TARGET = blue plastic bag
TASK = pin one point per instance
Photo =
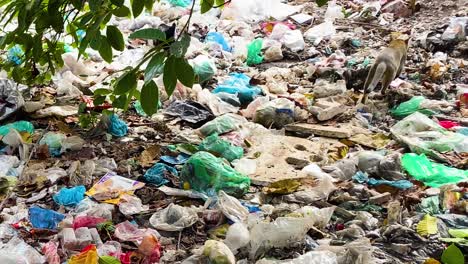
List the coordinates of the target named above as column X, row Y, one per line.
column 15, row 55
column 180, row 159
column 117, row 126
column 44, row 218
column 400, row 184
column 20, row 126
column 218, row 38
column 70, row 197
column 155, row 174
column 238, row 83
column 362, row 177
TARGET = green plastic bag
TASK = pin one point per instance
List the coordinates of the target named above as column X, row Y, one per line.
column 20, row 126
column 254, row 52
column 430, row 173
column 409, row 107
column 221, row 148
column 208, row 174
column 204, row 68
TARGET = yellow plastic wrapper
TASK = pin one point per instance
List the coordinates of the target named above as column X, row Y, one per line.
column 282, row 187
column 88, row 256
column 111, row 187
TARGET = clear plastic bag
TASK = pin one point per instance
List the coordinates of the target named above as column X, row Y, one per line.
column 281, row 233
column 16, row 251
column 232, row 208
column 276, row 113
column 174, row 218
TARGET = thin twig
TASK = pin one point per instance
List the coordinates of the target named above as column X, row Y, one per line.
column 180, row 236
column 188, row 21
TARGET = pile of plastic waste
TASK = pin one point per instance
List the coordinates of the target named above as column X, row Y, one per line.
column 269, row 158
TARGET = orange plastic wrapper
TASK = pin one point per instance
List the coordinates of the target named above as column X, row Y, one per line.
column 89, row 255
column 151, row 249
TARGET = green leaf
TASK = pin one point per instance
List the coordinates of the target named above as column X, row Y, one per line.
column 219, row 3
column 179, row 48
column 452, row 255
column 95, row 42
column 94, row 5
column 321, row 2
column 170, row 77
column 37, row 48
column 115, row 38
column 149, row 5
column 102, row 91
column 154, row 66
column 126, row 82
column 108, row 260
column 85, row 19
column 206, row 5
column 459, row 233
column 99, row 100
column 120, row 101
column 149, row 98
column 122, row 11
column 118, row 3
column 78, row 4
column 148, row 33
column 105, row 50
column 137, row 7
column 184, row 72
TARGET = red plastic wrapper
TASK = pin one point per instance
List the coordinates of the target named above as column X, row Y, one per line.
column 87, row 221
column 448, row 124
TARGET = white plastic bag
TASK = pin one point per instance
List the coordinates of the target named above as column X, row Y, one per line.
column 312, row 257
column 319, row 32
column 293, row 40
column 237, row 236
column 334, row 11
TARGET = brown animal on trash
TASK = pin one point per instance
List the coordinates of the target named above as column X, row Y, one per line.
column 388, row 65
